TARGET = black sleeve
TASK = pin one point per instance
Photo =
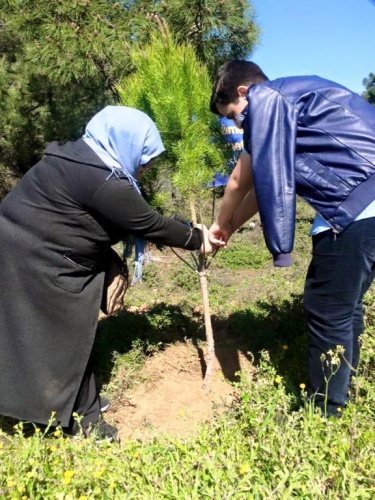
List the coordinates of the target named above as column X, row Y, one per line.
column 121, row 205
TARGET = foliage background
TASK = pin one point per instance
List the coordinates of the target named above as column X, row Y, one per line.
column 60, row 61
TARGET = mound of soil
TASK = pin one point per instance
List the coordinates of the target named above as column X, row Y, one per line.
column 172, row 400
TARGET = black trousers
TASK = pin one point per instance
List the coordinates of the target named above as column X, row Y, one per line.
column 341, row 271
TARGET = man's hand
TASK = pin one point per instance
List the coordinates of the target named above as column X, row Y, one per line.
column 206, row 246
column 219, row 234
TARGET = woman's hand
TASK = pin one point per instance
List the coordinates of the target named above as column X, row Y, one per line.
column 206, row 246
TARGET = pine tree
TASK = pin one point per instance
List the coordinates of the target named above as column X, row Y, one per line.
column 59, row 64
column 173, row 88
column 218, row 30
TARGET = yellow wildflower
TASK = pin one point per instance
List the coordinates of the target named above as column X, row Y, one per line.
column 98, row 472
column 244, row 468
column 278, row 379
column 68, row 476
column 10, row 483
column 57, row 433
column 302, row 386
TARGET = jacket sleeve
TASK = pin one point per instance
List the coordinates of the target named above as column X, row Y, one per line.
column 272, row 128
column 120, row 205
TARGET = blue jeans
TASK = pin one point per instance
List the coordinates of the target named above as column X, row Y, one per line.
column 341, row 271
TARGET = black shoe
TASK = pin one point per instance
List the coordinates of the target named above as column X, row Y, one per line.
column 104, row 404
column 103, row 431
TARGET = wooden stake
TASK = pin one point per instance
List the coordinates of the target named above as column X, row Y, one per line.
column 193, row 212
column 210, row 356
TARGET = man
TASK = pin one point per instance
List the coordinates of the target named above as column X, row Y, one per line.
column 314, row 138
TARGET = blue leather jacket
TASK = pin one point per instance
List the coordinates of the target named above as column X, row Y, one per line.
column 314, row 138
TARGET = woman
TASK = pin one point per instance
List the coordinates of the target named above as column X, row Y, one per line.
column 56, row 229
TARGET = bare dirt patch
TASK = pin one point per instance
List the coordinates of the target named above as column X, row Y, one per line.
column 172, row 400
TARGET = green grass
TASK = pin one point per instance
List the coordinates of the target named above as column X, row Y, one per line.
column 268, row 445
column 262, row 448
column 241, row 253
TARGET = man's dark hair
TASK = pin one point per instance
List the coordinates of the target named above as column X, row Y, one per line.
column 229, row 77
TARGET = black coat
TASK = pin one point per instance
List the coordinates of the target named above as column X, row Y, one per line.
column 56, row 228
